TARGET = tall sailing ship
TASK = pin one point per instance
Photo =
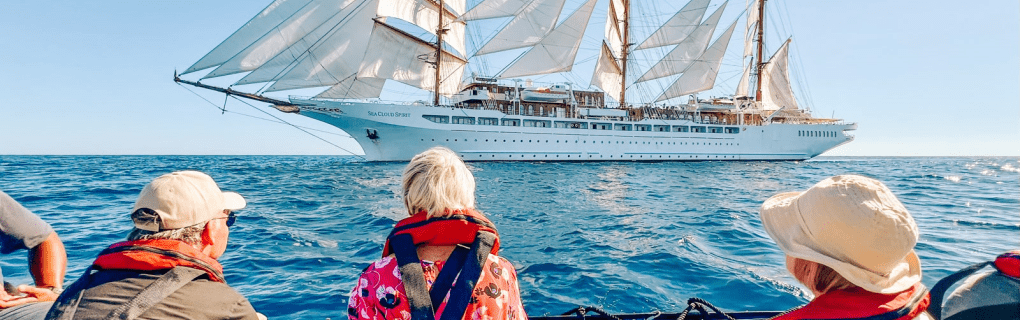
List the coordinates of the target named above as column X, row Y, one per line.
column 354, row 48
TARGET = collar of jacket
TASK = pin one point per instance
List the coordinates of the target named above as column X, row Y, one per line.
column 457, row 227
column 159, row 254
column 857, row 303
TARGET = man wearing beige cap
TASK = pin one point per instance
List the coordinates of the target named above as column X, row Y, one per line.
column 851, row 242
column 167, row 269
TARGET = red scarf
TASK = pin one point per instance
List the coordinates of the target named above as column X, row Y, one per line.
column 160, row 254
column 859, row 303
column 459, row 227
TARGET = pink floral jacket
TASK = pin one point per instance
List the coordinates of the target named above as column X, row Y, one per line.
column 379, row 294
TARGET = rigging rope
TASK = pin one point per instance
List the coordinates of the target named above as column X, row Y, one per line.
column 260, row 118
column 278, row 120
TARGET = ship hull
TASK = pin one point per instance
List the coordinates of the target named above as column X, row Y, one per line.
column 396, row 132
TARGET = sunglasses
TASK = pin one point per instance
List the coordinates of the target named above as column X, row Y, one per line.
column 231, row 218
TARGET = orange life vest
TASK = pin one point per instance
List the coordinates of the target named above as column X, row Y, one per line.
column 857, row 303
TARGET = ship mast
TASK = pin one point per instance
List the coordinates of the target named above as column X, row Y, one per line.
column 623, row 53
column 761, row 42
column 439, row 52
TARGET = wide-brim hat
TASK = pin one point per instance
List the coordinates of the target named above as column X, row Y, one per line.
column 182, row 199
column 852, row 224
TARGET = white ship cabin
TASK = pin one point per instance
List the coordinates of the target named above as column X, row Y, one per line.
column 591, row 105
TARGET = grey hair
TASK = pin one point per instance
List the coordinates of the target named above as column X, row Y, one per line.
column 435, row 181
column 191, row 235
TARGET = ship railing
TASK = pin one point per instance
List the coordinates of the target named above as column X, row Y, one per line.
column 648, row 111
column 396, row 102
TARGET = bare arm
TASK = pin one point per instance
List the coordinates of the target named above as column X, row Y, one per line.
column 48, row 262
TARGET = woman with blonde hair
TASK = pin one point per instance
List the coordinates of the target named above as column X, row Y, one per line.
column 440, row 262
column 851, row 242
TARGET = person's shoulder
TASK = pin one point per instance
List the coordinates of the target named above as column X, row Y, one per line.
column 384, row 263
column 212, row 289
column 500, row 260
column 211, row 295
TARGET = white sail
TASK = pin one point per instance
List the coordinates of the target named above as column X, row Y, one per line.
column 744, row 79
column 292, row 29
column 556, row 52
column 608, row 76
column 355, row 88
column 494, row 9
column 425, row 14
column 678, row 27
column 687, row 52
column 324, row 57
column 529, row 26
column 614, row 27
column 700, row 76
column 258, row 26
column 752, row 25
column 775, row 79
column 459, row 7
column 395, row 55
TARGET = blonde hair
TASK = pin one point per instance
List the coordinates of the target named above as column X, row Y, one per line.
column 437, row 181
column 818, row 277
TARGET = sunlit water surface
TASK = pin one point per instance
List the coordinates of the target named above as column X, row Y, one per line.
column 626, row 237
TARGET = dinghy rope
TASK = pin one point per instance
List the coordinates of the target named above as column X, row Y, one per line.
column 705, row 310
column 278, row 120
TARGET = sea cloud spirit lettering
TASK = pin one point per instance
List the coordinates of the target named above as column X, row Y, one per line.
column 389, row 114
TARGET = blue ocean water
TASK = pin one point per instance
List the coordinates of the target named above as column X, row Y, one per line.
column 626, row 237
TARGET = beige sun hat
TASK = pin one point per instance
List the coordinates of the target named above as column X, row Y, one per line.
column 852, row 224
column 182, row 199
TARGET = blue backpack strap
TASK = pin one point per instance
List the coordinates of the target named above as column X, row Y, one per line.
column 413, row 277
column 155, row 292
column 444, row 281
column 465, row 287
column 938, row 292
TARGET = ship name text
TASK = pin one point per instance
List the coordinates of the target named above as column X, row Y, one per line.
column 389, row 114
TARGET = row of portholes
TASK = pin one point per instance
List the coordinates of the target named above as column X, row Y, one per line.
column 823, row 134
column 652, row 157
column 609, row 142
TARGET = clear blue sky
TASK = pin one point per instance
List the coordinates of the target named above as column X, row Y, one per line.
column 927, row 78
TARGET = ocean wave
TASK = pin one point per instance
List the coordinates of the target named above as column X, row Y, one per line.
column 624, row 236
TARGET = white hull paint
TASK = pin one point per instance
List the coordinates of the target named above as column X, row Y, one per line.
column 401, row 132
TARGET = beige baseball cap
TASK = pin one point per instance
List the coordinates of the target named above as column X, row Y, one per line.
column 852, row 224
column 182, row 199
